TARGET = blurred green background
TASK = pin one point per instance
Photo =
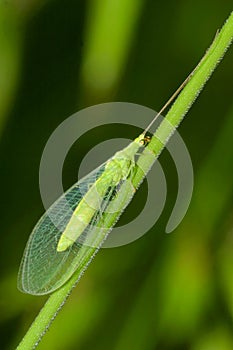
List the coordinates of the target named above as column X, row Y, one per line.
column 162, row 291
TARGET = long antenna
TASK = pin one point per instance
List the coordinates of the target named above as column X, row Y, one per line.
column 170, row 100
column 179, row 89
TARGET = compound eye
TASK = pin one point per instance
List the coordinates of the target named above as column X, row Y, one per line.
column 146, row 140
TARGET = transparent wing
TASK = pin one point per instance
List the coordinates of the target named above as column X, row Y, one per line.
column 43, row 269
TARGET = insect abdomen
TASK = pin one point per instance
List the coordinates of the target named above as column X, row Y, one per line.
column 89, row 205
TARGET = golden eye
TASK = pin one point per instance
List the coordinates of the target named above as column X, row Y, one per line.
column 145, row 140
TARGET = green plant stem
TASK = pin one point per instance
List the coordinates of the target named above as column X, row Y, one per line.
column 158, row 142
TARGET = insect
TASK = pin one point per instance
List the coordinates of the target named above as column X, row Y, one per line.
column 75, row 222
column 80, row 220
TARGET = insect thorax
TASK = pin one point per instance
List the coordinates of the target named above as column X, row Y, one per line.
column 119, row 167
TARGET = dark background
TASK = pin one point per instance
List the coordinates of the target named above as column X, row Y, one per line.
column 162, row 291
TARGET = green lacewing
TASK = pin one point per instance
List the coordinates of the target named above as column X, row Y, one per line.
column 80, row 220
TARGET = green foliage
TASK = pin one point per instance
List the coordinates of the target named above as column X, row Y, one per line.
column 161, row 292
